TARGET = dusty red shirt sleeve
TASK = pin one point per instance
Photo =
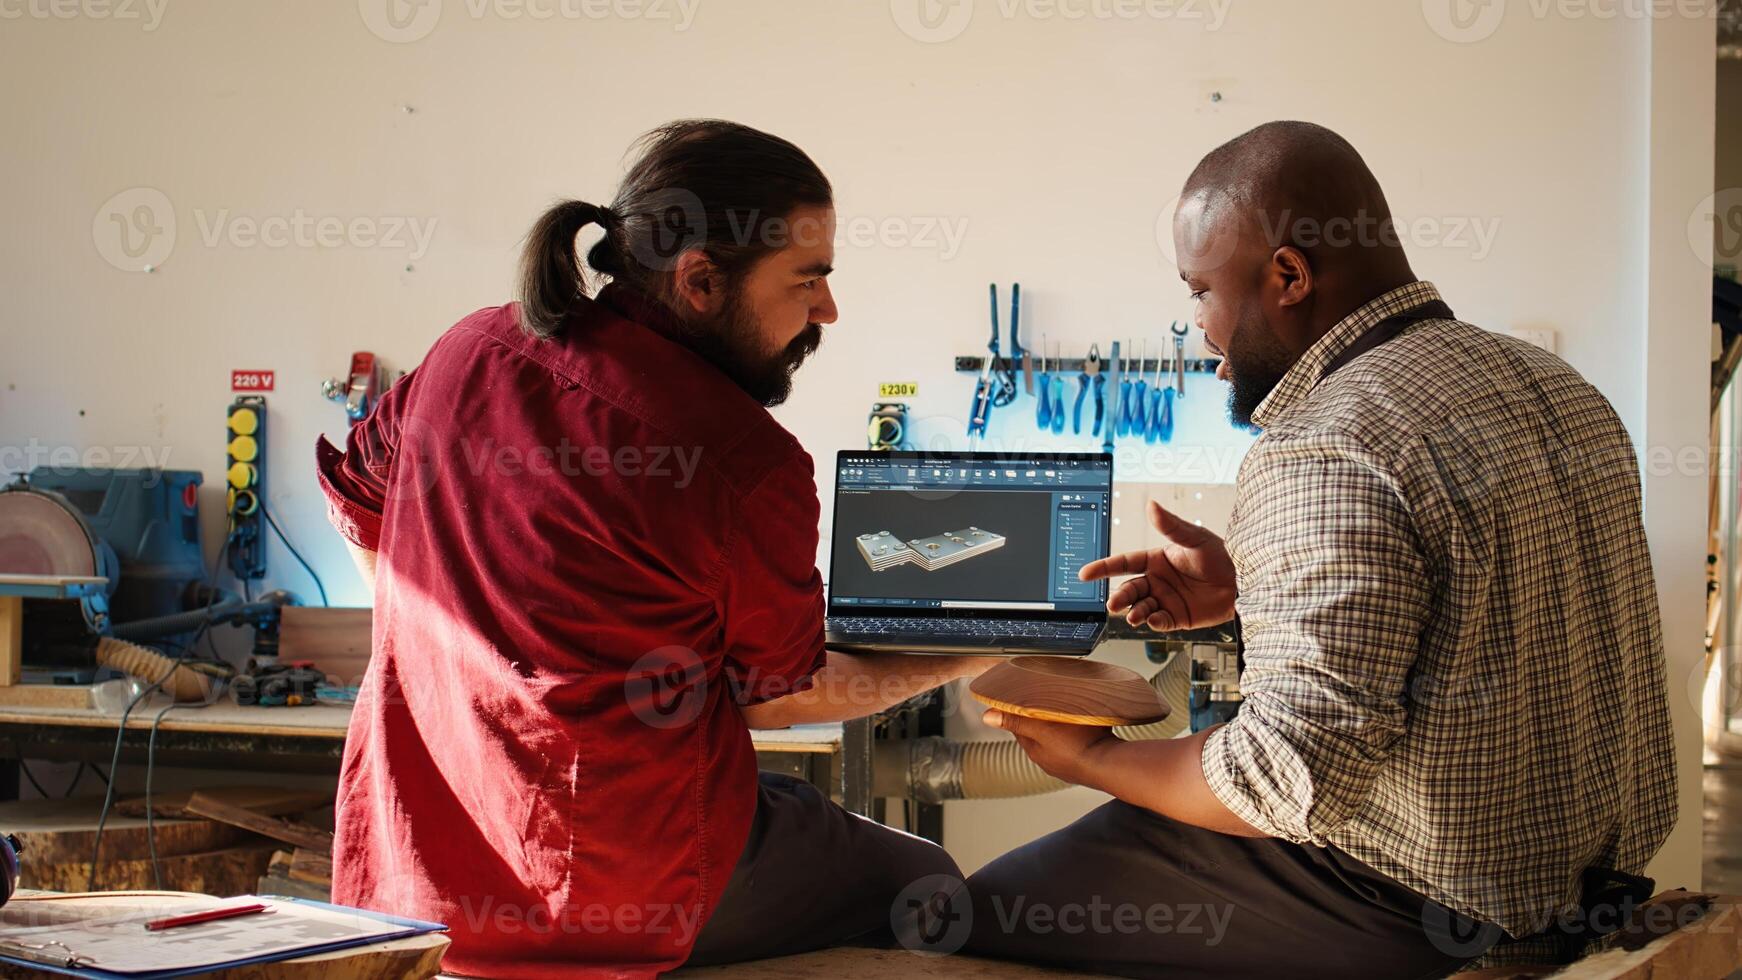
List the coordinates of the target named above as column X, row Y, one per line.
column 771, row 594
column 355, row 481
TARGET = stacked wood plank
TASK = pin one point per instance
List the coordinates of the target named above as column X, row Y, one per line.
column 195, row 851
column 298, row 874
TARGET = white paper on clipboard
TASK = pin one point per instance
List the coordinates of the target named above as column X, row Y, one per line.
column 114, row 937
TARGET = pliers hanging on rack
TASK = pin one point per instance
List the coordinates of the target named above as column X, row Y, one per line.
column 1090, row 378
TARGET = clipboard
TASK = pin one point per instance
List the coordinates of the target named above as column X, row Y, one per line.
column 56, row 957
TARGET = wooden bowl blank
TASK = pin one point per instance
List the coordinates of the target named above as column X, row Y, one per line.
column 1070, row 691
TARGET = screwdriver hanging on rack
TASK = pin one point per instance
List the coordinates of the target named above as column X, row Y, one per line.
column 1043, row 408
column 1140, row 418
column 1058, row 391
column 1152, row 433
column 1133, row 407
column 1123, row 395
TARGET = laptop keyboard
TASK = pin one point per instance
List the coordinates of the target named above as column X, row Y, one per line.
column 1015, row 629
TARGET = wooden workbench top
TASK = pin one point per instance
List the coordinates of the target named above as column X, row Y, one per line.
column 324, row 721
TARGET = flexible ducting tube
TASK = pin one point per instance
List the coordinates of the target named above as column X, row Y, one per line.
column 937, row 769
column 136, row 661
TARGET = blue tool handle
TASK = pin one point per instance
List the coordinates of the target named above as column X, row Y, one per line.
column 1043, row 408
column 1154, row 430
column 1077, row 414
column 1058, row 404
column 1140, row 423
column 1100, row 402
column 1164, row 430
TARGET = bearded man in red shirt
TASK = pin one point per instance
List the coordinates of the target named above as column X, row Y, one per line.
column 593, row 552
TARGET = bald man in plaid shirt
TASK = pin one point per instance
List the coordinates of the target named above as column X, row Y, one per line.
column 1455, row 729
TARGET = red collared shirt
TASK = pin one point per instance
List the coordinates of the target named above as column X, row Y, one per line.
column 591, row 549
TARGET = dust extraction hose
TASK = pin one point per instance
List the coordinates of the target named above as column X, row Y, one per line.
column 937, row 769
column 136, row 661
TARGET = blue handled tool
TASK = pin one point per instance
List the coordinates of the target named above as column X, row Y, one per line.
column 1100, row 401
column 1043, row 406
column 1140, row 396
column 1152, row 431
column 1164, row 425
column 1058, row 394
column 1132, row 412
column 1122, row 408
column 1090, row 378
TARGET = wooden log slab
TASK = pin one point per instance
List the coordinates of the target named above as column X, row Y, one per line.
column 64, row 831
column 1069, row 691
column 232, row 871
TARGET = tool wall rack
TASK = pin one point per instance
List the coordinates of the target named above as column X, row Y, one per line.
column 1076, row 365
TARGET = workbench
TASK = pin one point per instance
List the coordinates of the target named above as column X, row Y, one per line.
column 311, row 739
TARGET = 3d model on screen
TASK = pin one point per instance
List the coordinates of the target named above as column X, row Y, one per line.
column 883, row 550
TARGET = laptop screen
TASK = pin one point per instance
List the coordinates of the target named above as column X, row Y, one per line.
column 969, row 531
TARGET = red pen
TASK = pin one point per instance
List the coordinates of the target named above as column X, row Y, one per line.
column 207, row 916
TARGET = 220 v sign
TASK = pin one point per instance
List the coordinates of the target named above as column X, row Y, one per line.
column 252, row 380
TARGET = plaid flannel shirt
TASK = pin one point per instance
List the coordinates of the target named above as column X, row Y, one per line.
column 1454, row 663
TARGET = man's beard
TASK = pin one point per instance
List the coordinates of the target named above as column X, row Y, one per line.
column 1257, row 362
column 732, row 342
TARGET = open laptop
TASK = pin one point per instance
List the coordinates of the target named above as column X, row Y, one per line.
column 969, row 552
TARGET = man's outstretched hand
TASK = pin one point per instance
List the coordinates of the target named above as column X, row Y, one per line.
column 1186, row 583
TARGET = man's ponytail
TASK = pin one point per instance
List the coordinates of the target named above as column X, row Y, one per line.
column 706, row 184
column 550, row 271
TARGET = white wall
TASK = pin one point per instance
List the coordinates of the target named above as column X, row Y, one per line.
column 1055, row 143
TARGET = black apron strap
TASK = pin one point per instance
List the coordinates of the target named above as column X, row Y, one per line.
column 1387, row 330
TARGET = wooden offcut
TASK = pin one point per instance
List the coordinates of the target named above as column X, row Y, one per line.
column 311, row 866
column 266, row 800
column 336, row 641
column 11, row 639
column 288, row 831
column 74, row 696
column 278, row 879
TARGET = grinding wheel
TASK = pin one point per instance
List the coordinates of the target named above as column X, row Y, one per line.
column 1070, row 691
column 41, row 534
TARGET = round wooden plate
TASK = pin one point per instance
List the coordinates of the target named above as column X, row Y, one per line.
column 1070, row 691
